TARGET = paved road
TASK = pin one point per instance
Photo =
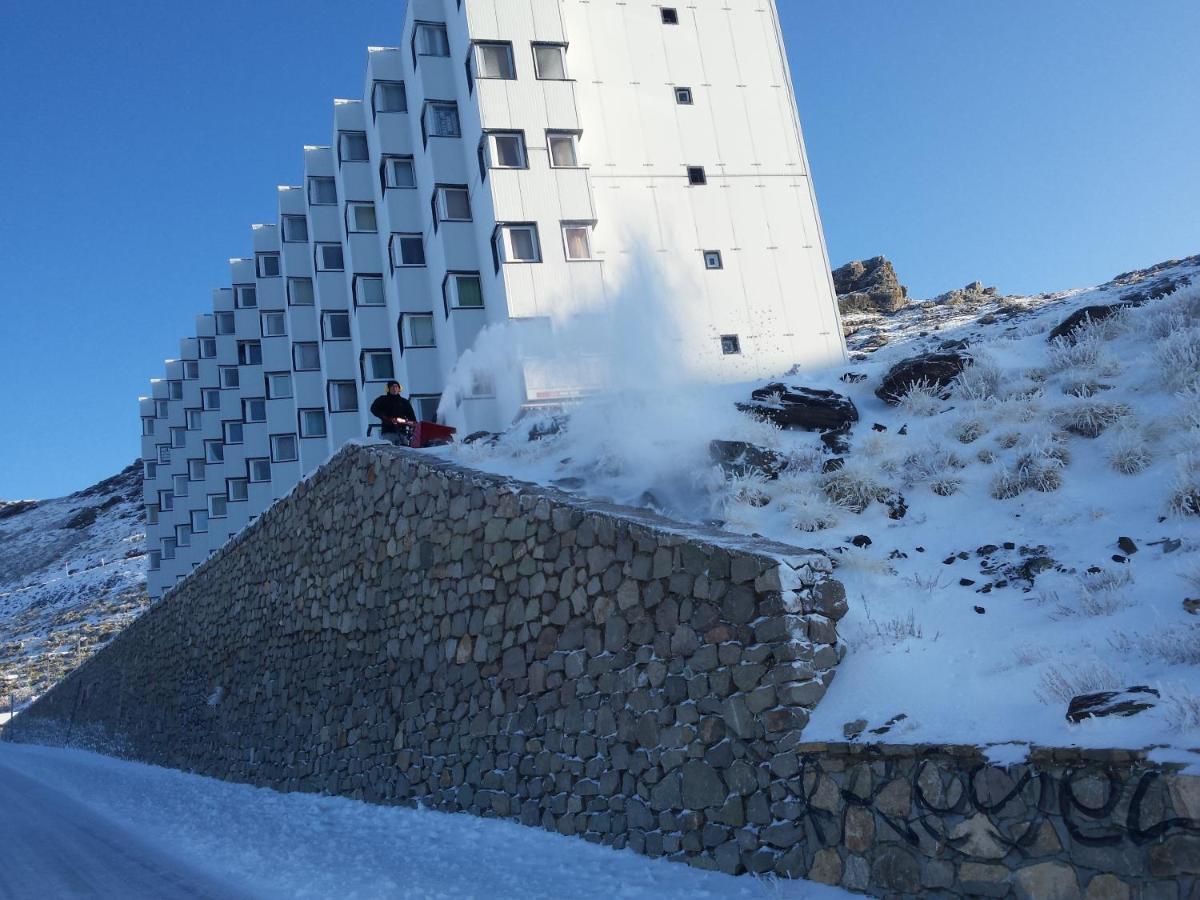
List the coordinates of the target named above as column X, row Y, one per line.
column 52, row 847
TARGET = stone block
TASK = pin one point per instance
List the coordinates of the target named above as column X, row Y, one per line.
column 1047, row 881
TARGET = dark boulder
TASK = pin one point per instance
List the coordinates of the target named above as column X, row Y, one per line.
column 934, row 369
column 1067, row 327
column 800, row 407
column 9, row 508
column 738, row 459
column 1111, row 703
column 869, row 286
column 82, row 519
column 487, row 437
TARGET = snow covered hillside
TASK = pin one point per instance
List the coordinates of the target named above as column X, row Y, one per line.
column 72, row 573
column 1021, row 527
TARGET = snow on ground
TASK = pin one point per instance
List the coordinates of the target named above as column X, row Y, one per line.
column 1002, row 592
column 266, row 844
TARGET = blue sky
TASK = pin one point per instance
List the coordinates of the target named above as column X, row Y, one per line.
column 1029, row 144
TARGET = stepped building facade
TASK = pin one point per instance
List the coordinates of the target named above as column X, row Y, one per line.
column 512, row 165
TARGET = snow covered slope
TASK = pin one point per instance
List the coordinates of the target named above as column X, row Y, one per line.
column 72, row 573
column 1047, row 540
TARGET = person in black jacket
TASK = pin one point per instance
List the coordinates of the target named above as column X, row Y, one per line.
column 395, row 414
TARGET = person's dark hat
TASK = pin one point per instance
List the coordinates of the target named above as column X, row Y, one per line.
column 396, row 383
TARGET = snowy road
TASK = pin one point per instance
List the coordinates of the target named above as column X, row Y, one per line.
column 76, row 824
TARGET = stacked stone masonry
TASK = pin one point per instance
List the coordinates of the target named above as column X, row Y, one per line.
column 402, row 630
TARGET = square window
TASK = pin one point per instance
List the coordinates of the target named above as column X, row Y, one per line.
column 210, row 398
column 343, row 396
column 352, row 146
column 429, row 39
column 195, row 470
column 233, row 432
column 284, row 448
column 191, row 370
column 295, row 228
column 258, row 469
column 494, row 60
column 279, row 385
column 254, row 409
column 273, row 324
column 164, row 454
column 389, row 96
column 175, row 390
column 199, row 523
column 236, row 489
column 329, row 258
column 577, row 239
column 183, row 536
column 179, row 485
column 683, row 96
column 670, row 16
column 398, row 172
column 322, row 190
column 368, row 290
column 550, row 62
column 417, row 330
column 712, row 259
column 360, row 217
column 217, row 506
column 563, row 151
column 695, row 175
column 335, row 326
column 160, row 409
column 245, row 296
column 300, row 292
column 312, row 423
column 306, row 356
column 518, row 243
column 730, row 344
column 147, row 425
column 377, row 365
column 249, row 353
column 426, row 407
column 193, row 419
column 149, row 470
column 408, row 250
column 441, row 120
column 208, row 348
column 230, row 377
column 267, row 265
column 178, row 438
column 214, row 451
column 225, row 323
column 506, row 150
column 166, row 501
column 454, row 204
column 466, row 290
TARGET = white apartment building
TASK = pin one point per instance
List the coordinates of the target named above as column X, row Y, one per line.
column 513, row 163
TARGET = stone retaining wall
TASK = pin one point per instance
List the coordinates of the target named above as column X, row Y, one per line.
column 402, row 630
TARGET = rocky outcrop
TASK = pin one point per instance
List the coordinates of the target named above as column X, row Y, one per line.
column 1065, row 330
column 869, row 286
column 935, row 370
column 973, row 294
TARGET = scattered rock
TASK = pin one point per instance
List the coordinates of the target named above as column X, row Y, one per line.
column 1111, row 703
column 878, row 427
column 486, row 436
column 860, row 540
column 836, row 442
column 973, row 294
column 1067, row 327
column 887, row 726
column 897, row 508
column 869, row 286
column 851, row 730
column 10, row 508
column 809, row 409
column 981, row 610
column 738, row 459
column 1192, row 605
column 853, row 377
column 82, row 519
column 1168, row 545
column 966, row 582
column 934, row 369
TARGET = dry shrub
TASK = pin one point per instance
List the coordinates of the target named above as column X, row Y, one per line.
column 923, row 398
column 1178, row 358
column 1089, row 418
column 1185, row 487
column 1129, row 452
column 968, row 431
column 852, row 487
column 1060, row 683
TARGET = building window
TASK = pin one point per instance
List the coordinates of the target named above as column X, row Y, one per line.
column 168, row 548
column 506, row 150
column 408, row 250
column 266, row 265
column 670, row 16
column 279, row 385
column 147, row 425
column 258, row 469
column 712, row 259
column 300, row 292
column 273, row 324
column 441, row 120
column 149, row 470
column 193, row 419
column 254, row 409
column 322, row 191
column 306, row 357
column 564, row 152
column 155, row 560
column 429, row 39
column 683, row 96
column 284, row 448
column 482, row 385
column 696, row 176
column 426, row 406
column 166, row 501
column 368, row 290
column 329, row 258
column 179, row 485
column 160, row 409
column 210, row 398
column 453, row 203
column 151, row 513
column 416, row 330
column 295, row 229
column 178, row 438
column 312, row 423
column 245, row 296
column 164, row 454
column 494, row 59
column 352, row 146
column 208, row 348
column 377, row 365
column 577, row 240
column 517, row 243
column 389, row 97
column 191, row 370
column 225, row 323
column 249, row 353
column 214, row 451
column 236, row 489
column 175, row 390
column 550, row 61
column 233, row 432
column 195, row 470
column 730, row 344
column 183, row 536
column 360, row 217
column 343, row 396
column 463, row 290
column 217, row 506
column 335, row 326
column 230, row 378
column 398, row 172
